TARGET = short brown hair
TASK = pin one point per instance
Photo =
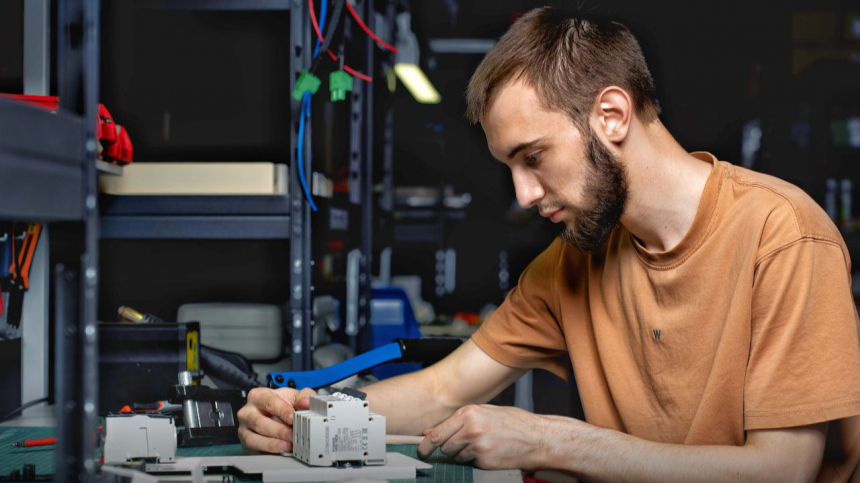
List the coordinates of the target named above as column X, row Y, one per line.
column 569, row 61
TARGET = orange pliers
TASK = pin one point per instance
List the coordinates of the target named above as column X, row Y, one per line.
column 22, row 265
column 19, row 272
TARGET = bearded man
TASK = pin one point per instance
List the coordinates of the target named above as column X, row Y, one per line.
column 706, row 309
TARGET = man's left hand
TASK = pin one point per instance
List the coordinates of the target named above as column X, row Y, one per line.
column 492, row 437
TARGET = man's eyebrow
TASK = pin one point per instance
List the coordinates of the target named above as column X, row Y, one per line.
column 526, row 145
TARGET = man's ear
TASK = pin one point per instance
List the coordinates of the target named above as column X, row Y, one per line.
column 612, row 112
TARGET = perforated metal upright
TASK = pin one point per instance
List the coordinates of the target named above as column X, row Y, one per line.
column 361, row 175
column 300, row 214
column 76, row 325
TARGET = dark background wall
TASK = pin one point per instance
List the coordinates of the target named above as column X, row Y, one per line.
column 212, row 86
column 793, row 66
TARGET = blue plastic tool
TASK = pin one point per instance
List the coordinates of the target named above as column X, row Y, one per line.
column 329, row 375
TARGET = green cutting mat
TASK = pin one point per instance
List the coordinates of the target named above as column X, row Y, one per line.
column 444, row 469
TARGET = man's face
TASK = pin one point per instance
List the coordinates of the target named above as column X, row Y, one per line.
column 570, row 176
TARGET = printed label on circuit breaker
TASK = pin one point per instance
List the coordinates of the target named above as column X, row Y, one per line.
column 346, row 440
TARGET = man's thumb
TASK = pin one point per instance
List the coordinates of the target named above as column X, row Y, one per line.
column 303, row 404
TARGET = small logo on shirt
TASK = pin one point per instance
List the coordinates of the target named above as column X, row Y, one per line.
column 657, row 333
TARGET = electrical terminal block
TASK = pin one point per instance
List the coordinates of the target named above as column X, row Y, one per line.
column 306, row 82
column 339, row 83
column 337, row 430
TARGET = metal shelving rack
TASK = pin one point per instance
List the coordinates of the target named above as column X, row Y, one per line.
column 50, row 169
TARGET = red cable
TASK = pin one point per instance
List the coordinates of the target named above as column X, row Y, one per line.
column 317, row 29
column 357, row 74
column 314, row 21
column 367, row 30
column 332, row 54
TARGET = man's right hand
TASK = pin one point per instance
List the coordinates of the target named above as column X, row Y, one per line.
column 266, row 421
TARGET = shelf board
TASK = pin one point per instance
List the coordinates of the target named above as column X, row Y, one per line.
column 233, row 217
column 190, row 205
column 430, row 233
column 263, row 5
column 196, row 227
column 108, row 168
column 41, row 164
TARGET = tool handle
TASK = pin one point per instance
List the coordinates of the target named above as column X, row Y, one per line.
column 39, row 442
column 427, row 351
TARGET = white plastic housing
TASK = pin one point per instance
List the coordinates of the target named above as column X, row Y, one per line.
column 129, row 438
column 339, row 429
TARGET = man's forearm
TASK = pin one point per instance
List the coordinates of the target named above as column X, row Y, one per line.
column 410, row 403
column 597, row 454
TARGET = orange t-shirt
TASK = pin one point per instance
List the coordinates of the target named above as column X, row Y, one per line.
column 748, row 323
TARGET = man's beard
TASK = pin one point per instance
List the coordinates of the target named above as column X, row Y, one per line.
column 607, row 186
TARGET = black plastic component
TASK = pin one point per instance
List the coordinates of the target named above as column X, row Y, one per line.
column 10, row 375
column 178, row 394
column 225, row 430
column 145, row 406
column 228, row 370
column 427, row 351
column 16, row 302
column 354, row 393
column 29, row 471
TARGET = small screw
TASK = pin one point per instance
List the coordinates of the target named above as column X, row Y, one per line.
column 279, row 379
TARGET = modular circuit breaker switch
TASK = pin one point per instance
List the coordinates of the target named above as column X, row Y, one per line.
column 132, row 437
column 338, row 430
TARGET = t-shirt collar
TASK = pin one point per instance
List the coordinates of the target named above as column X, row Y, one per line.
column 699, row 230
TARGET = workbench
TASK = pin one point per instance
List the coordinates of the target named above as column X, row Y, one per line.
column 444, row 469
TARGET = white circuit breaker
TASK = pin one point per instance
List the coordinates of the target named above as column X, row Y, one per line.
column 339, row 429
column 130, row 437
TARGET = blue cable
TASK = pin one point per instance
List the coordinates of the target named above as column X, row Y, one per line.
column 322, row 26
column 303, row 112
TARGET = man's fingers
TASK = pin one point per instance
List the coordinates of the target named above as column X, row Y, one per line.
column 256, row 442
column 435, row 437
column 456, row 444
column 303, row 401
column 266, row 426
column 273, row 404
column 466, row 455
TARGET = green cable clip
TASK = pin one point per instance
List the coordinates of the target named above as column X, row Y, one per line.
column 339, row 82
column 307, row 82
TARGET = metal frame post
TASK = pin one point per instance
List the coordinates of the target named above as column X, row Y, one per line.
column 361, row 175
column 37, row 47
column 387, row 200
column 300, row 219
column 77, row 342
column 364, row 278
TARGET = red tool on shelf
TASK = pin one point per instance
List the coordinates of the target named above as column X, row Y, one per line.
column 116, row 145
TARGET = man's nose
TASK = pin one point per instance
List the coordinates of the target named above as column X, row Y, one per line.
column 529, row 191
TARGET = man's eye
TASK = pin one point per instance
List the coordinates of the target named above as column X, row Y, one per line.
column 532, row 159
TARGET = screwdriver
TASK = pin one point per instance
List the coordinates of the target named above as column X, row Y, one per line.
column 29, row 443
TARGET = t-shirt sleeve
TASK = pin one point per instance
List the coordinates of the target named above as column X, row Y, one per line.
column 804, row 364
column 524, row 331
